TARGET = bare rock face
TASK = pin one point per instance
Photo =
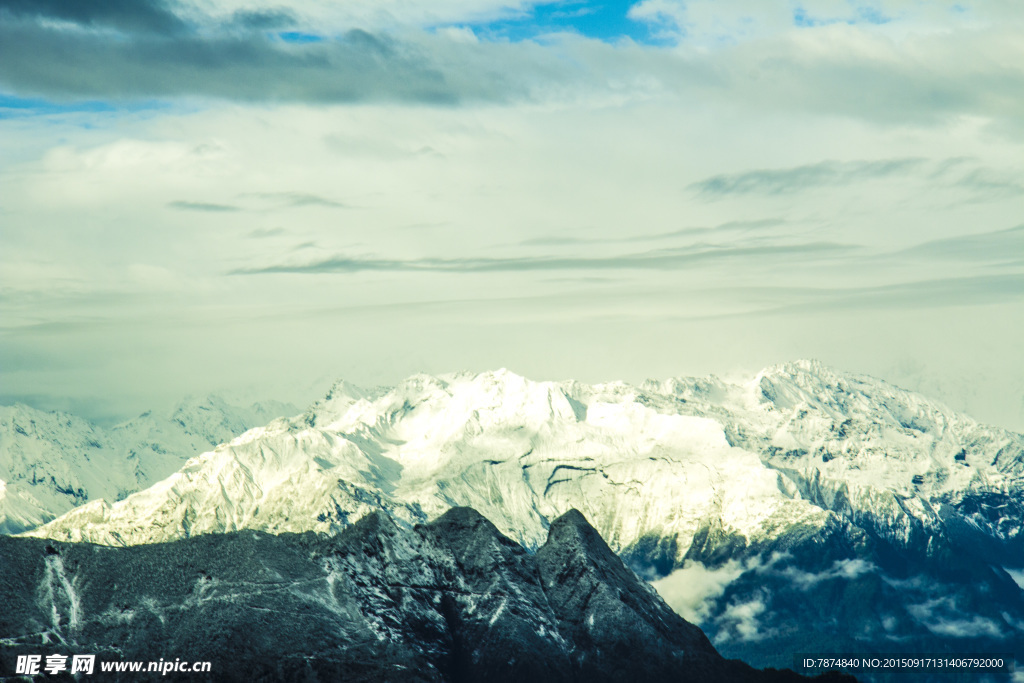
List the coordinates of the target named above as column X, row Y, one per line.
column 452, row 600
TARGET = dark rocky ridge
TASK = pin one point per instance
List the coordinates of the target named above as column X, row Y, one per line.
column 453, row 600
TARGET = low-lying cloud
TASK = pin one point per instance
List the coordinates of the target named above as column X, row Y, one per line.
column 941, row 617
column 692, row 589
column 845, row 570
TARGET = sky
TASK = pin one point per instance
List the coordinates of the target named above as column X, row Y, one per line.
column 259, row 197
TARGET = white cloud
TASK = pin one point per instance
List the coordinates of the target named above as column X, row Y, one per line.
column 743, row 618
column 846, row 570
column 941, row 617
column 692, row 589
column 708, row 23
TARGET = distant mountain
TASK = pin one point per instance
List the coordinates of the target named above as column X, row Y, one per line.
column 452, row 600
column 801, row 509
column 51, row 462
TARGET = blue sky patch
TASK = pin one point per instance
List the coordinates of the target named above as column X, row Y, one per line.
column 605, row 21
column 12, row 106
column 299, row 37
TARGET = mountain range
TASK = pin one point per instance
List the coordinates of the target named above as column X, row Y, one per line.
column 803, row 509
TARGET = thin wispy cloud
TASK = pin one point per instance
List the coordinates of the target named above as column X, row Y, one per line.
column 295, row 199
column 913, row 295
column 800, row 178
column 1000, row 246
column 663, row 259
column 722, row 229
column 263, row 233
column 202, row 206
column 991, row 184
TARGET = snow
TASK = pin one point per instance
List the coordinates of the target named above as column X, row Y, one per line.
column 797, row 445
column 51, row 462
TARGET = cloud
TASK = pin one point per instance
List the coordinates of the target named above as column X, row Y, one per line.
column 915, row 295
column 692, row 589
column 941, row 617
column 742, row 226
column 249, row 66
column 846, row 570
column 798, row 178
column 662, row 259
column 201, row 206
column 957, row 291
column 295, row 199
column 707, row 22
column 261, row 233
column 126, row 15
column 991, row 184
column 263, row 19
column 995, row 246
column 743, row 619
column 843, row 69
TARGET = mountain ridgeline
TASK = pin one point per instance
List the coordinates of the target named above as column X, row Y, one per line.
column 452, row 600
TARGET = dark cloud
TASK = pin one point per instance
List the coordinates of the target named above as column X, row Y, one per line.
column 37, row 59
column 662, row 259
column 201, row 206
column 789, row 180
column 125, row 15
column 263, row 20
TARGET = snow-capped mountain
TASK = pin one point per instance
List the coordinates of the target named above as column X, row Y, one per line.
column 798, row 445
column 51, row 462
column 802, row 505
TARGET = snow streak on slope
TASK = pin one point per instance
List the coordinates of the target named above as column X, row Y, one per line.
column 668, row 470
column 52, row 462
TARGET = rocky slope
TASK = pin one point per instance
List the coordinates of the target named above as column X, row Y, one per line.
column 453, row 600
